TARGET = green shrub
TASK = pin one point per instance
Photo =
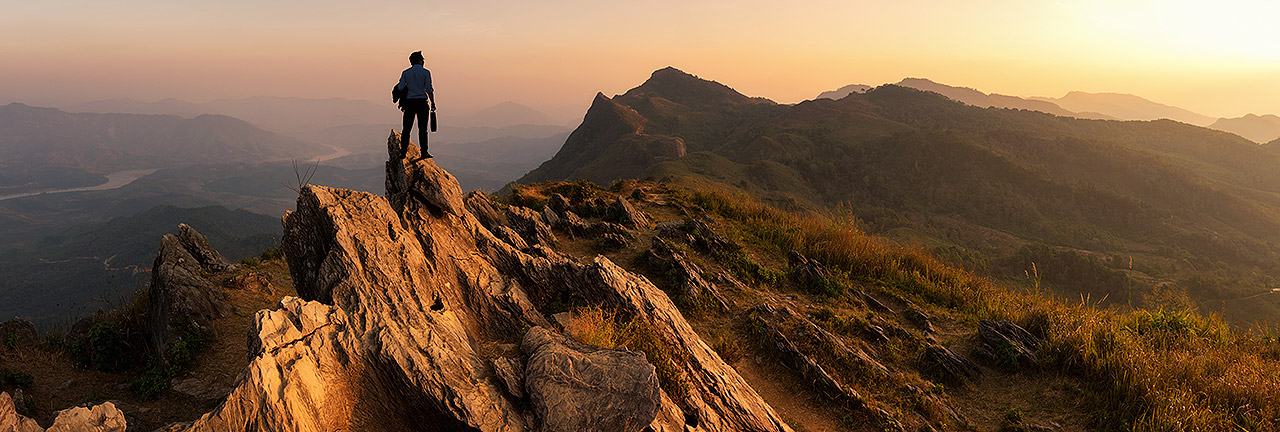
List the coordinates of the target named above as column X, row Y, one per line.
column 191, row 341
column 150, row 383
column 12, row 378
column 271, row 254
column 104, row 348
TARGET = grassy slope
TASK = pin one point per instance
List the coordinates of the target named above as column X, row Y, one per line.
column 1101, row 369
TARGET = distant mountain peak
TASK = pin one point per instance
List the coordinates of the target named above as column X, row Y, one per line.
column 684, row 88
column 841, row 92
column 980, row 99
column 1125, row 106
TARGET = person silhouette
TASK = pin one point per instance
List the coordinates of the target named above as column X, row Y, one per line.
column 417, row 99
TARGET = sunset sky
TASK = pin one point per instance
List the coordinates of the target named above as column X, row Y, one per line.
column 1219, row 58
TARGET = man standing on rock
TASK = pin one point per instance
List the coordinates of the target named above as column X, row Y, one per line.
column 417, row 99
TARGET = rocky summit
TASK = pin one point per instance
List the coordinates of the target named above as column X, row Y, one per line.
column 418, row 311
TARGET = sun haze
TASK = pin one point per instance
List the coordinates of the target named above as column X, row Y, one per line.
column 1217, row 58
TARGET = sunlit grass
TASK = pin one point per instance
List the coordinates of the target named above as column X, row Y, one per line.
column 1163, row 370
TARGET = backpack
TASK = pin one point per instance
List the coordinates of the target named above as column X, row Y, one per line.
column 398, row 95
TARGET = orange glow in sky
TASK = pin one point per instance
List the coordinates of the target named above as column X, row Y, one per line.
column 1219, row 58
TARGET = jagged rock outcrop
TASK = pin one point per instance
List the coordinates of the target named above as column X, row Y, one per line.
column 693, row 289
column 579, row 387
column 698, row 234
column 198, row 246
column 626, row 214
column 558, row 214
column 811, row 274
column 180, row 300
column 18, row 332
column 98, row 418
column 104, row 417
column 1006, row 344
column 406, row 302
column 945, row 365
column 530, row 226
column 772, row 321
column 11, row 421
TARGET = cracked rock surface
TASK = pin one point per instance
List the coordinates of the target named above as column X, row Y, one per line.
column 406, row 302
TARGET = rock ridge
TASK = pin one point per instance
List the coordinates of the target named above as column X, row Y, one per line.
column 411, row 314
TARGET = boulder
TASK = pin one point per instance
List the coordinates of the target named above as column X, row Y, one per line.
column 511, row 373
column 559, row 203
column 98, row 418
column 180, row 300
column 18, row 332
column 623, row 212
column 579, row 387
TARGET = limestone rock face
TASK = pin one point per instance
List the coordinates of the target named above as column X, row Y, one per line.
column 410, row 311
column 11, row 421
column 99, row 418
column 198, row 246
column 179, row 299
column 578, row 387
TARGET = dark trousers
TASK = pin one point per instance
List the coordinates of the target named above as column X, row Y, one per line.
column 422, row 110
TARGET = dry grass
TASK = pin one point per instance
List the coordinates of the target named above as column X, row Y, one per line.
column 1154, row 370
column 595, row 326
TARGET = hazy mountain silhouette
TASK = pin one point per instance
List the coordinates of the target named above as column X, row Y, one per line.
column 1000, row 188
column 1125, row 107
column 504, row 114
column 169, row 106
column 278, row 114
column 841, row 92
column 38, row 142
column 1259, row 128
column 984, row 100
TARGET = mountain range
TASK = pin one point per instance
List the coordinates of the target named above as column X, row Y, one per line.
column 1141, row 211
column 297, row 116
column 1125, row 107
column 1259, row 128
column 1105, row 106
column 47, row 148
